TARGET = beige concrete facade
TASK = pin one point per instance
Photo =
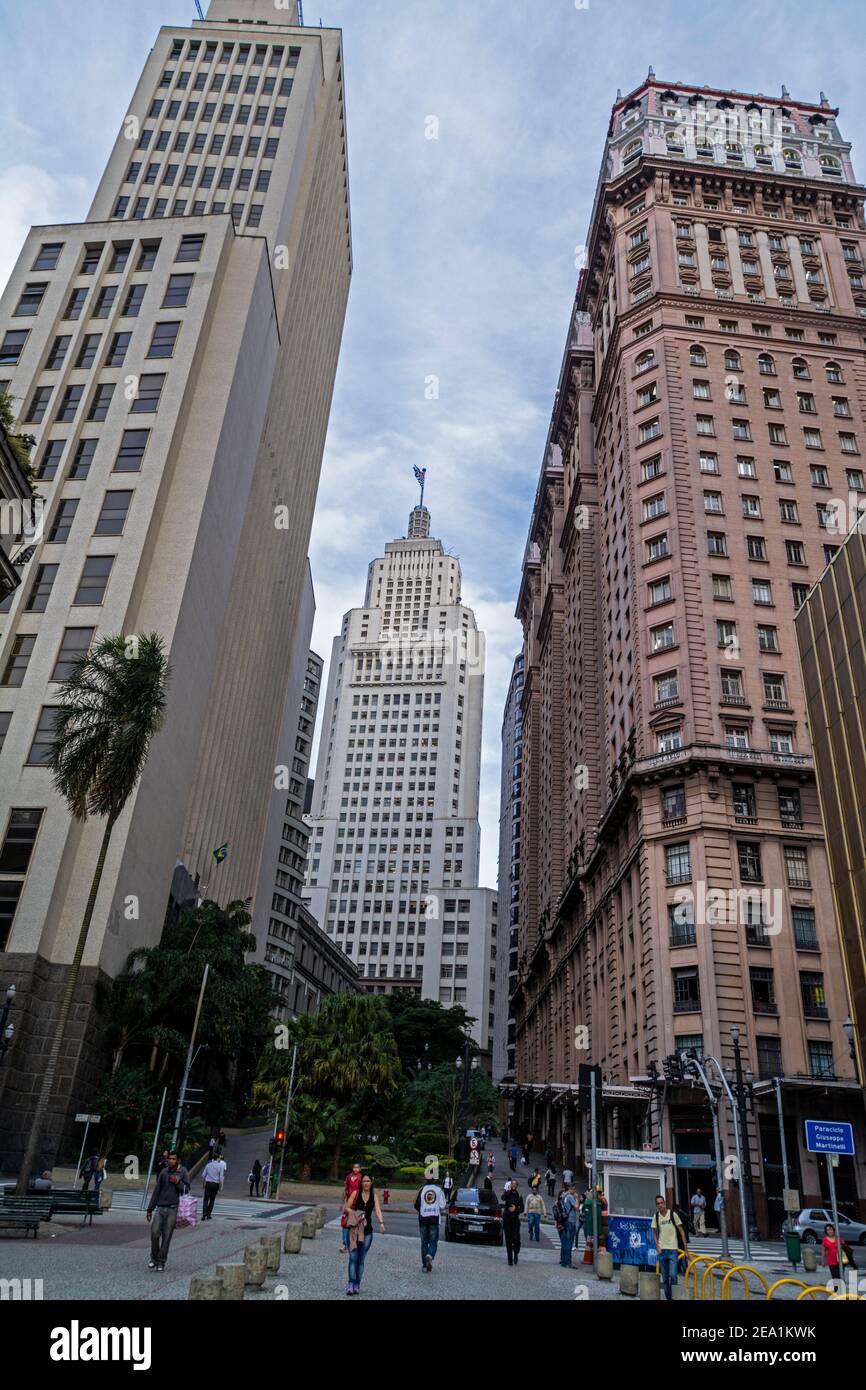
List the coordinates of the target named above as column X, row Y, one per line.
column 212, row 552
column 709, row 411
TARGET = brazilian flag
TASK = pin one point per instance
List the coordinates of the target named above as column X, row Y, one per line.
column 221, row 853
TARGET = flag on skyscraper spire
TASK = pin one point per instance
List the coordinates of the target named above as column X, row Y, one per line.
column 420, row 474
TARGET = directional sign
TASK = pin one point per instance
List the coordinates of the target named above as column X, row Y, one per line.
column 829, row 1137
column 475, row 1157
column 473, row 1144
column 88, row 1119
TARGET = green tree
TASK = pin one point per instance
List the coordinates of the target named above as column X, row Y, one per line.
column 425, row 1031
column 346, row 1053
column 125, row 1095
column 20, row 444
column 109, row 709
column 436, row 1105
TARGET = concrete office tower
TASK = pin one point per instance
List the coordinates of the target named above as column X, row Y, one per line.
column 175, row 357
column 304, row 963
column 675, row 883
column 394, row 872
column 831, row 630
column 508, row 887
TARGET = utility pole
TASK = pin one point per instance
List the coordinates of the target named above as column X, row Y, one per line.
column 289, row 1094
column 694, row 1062
column 744, row 1128
column 189, row 1057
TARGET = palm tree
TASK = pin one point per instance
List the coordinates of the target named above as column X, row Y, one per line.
column 110, row 707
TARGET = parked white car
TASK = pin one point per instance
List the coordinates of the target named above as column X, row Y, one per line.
column 811, row 1222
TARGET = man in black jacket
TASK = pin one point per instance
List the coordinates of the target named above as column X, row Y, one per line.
column 171, row 1183
column 512, row 1207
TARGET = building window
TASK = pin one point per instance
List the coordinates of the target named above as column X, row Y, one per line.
column 805, row 930
column 681, row 924
column 13, row 346
column 100, row 401
column 797, row 866
column 15, row 854
column 40, row 590
column 43, row 739
column 73, row 648
column 19, row 659
column 162, row 344
column 38, row 405
column 763, row 990
column 686, row 990
column 769, row 1057
column 30, row 301
column 674, row 802
column 821, row 1060
column 94, row 581
column 177, row 292
column 749, row 861
column 678, row 863
column 131, row 452
column 134, row 300
column 190, row 248
column 149, row 392
column 63, row 518
column 812, row 994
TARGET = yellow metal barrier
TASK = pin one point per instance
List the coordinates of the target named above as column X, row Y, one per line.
column 727, row 1264
column 692, row 1269
column 779, row 1282
column 812, row 1291
column 740, row 1269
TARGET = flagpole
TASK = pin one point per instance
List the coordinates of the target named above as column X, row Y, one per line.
column 423, row 481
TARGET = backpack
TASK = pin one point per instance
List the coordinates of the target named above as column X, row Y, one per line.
column 560, row 1215
column 89, row 1168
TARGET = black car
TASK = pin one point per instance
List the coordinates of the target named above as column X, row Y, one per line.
column 474, row 1212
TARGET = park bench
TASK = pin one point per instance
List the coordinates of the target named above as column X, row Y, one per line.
column 74, row 1203
column 26, row 1212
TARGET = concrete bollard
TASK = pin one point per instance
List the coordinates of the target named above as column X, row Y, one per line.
column 648, row 1286
column 680, row 1293
column 106, row 1197
column 205, row 1290
column 308, row 1225
column 809, row 1256
column 605, row 1264
column 628, row 1280
column 272, row 1245
column 256, row 1263
column 293, row 1238
column 321, row 1216
column 233, row 1279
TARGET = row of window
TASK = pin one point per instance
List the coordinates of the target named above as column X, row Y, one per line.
column 830, row 515
column 733, row 362
column 33, row 294
column 658, row 548
column 681, row 925
column 769, row 1052
column 678, row 863
column 733, row 152
column 741, row 432
column 673, row 802
column 687, row 991
column 209, row 51
column 666, row 688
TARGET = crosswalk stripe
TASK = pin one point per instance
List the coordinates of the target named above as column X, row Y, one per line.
column 227, row 1209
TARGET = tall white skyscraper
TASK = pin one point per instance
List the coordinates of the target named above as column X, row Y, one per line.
column 174, row 357
column 393, row 874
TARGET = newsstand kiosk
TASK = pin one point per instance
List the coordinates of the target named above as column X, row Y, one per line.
column 631, row 1179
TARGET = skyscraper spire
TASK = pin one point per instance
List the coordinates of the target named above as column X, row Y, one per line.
column 419, row 524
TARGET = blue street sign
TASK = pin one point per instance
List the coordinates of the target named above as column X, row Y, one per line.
column 829, row 1137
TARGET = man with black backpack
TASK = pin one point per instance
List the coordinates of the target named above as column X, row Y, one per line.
column 512, row 1210
column 565, row 1217
column 668, row 1233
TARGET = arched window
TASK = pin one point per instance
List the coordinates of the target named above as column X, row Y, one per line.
column 763, row 155
column 830, row 164
column 733, row 149
column 800, row 368
column 646, row 360
column 834, row 373
column 733, row 361
column 697, row 356
column 791, row 158
column 631, row 151
column 674, row 141
column 766, row 365
column 703, row 145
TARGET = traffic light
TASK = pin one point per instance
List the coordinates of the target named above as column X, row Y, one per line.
column 672, row 1067
column 653, row 1073
column 280, row 1137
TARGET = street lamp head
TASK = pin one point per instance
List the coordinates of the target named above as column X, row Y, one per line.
column 848, row 1028
column 459, row 1063
column 735, row 1034
column 10, row 993
column 9, row 1032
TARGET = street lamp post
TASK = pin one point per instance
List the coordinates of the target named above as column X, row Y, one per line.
column 694, row 1061
column 744, row 1128
column 7, row 1029
column 465, row 1065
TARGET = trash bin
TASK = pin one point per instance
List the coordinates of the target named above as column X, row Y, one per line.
column 792, row 1247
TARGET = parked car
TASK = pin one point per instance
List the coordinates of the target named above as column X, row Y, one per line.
column 811, row 1222
column 474, row 1212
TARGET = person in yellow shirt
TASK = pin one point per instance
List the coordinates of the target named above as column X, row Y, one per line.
column 668, row 1233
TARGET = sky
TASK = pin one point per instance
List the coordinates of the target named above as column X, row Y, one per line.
column 475, row 133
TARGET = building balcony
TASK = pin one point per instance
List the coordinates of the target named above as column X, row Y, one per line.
column 815, row 1011
column 673, row 820
column 745, row 820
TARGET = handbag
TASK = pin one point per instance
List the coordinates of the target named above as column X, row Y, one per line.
column 187, row 1211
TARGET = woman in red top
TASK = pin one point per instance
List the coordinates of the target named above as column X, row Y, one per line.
column 351, row 1185
column 831, row 1251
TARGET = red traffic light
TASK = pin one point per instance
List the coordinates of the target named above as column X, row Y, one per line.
column 280, row 1136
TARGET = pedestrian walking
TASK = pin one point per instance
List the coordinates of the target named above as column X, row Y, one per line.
column 535, row 1209
column 567, row 1177
column 512, row 1207
column 448, row 1185
column 491, row 1163
column 255, row 1177
column 88, row 1172
column 171, row 1184
column 668, row 1233
column 512, row 1158
column 525, row 1157
column 429, row 1204
column 213, row 1177
column 266, row 1176
column 503, row 1135
column 699, row 1209
column 360, row 1209
column 566, row 1217
column 550, row 1179
column 535, row 1181
column 548, row 1155
column 221, row 1141
column 831, row 1251
column 352, row 1183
